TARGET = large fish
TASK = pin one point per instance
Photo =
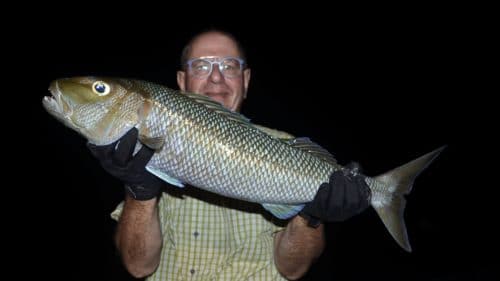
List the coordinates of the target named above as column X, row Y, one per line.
column 198, row 142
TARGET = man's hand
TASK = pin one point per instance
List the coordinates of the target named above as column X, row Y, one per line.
column 118, row 160
column 345, row 195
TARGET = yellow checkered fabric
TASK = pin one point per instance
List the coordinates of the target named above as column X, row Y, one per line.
column 213, row 239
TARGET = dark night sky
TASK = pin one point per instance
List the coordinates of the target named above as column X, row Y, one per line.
column 378, row 92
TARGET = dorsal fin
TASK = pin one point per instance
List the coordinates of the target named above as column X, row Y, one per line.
column 307, row 145
column 274, row 133
column 217, row 107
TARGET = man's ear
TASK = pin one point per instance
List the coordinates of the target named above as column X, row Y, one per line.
column 181, row 80
column 246, row 80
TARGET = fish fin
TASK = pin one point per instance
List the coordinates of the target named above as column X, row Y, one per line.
column 155, row 143
column 388, row 199
column 274, row 133
column 307, row 145
column 283, row 211
column 217, row 107
column 171, row 180
column 145, row 134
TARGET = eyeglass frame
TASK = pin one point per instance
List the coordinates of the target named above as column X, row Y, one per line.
column 215, row 60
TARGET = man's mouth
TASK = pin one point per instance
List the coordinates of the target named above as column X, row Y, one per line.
column 217, row 96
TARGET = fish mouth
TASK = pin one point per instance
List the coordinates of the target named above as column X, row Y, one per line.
column 56, row 104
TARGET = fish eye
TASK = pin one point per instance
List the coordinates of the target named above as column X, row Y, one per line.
column 101, row 88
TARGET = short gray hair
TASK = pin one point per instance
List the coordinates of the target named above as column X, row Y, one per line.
column 187, row 48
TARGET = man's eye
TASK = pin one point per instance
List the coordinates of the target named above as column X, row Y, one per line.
column 202, row 67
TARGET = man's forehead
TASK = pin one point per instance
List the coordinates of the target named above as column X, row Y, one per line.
column 213, row 44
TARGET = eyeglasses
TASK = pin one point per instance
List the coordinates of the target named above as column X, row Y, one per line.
column 201, row 67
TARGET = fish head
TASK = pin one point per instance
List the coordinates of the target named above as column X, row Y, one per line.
column 100, row 109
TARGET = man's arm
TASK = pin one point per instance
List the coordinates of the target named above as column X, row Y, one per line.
column 138, row 236
column 297, row 247
column 345, row 195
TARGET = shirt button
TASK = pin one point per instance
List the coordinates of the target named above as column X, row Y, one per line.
column 192, row 271
column 196, row 234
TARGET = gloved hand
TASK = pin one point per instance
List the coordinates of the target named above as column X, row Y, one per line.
column 118, row 160
column 345, row 195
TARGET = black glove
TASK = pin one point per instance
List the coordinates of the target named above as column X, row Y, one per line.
column 118, row 160
column 345, row 195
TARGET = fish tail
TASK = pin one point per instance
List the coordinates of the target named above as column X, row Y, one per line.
column 388, row 192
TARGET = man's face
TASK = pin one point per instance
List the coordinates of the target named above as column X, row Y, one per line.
column 229, row 91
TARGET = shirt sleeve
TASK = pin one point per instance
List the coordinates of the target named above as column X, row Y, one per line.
column 117, row 212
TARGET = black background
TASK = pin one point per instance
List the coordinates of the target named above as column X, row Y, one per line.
column 381, row 89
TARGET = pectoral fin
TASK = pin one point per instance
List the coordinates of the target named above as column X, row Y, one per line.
column 154, row 143
column 165, row 177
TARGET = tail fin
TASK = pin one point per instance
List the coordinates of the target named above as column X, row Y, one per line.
column 388, row 192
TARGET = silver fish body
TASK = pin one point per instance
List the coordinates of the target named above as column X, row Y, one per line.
column 228, row 156
column 200, row 143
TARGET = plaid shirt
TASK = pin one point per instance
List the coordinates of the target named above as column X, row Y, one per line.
column 213, row 239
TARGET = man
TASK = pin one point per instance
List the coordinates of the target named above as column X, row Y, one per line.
column 196, row 235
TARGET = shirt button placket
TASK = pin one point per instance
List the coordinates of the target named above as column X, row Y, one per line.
column 192, row 271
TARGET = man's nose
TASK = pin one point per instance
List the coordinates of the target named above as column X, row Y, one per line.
column 216, row 75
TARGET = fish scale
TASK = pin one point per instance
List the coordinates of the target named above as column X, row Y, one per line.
column 200, row 143
column 251, row 159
